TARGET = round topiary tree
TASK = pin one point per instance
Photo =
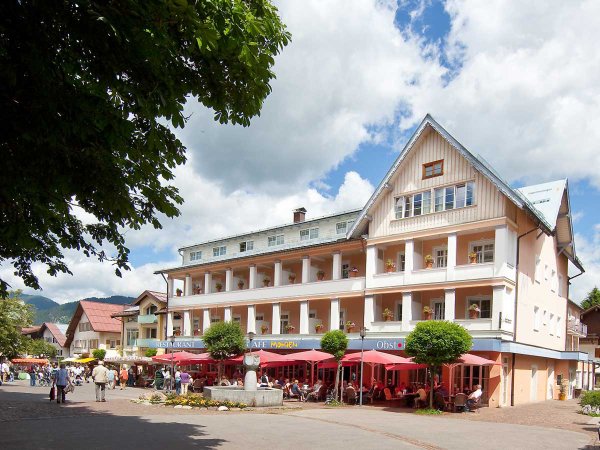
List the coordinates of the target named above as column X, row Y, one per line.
column 99, row 354
column 224, row 340
column 336, row 343
column 150, row 352
column 437, row 342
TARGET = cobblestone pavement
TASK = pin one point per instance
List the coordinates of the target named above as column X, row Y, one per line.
column 29, row 420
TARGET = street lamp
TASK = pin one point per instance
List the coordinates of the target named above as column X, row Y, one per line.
column 363, row 333
column 172, row 340
column 251, row 335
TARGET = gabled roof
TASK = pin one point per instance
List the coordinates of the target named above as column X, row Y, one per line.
column 31, row 330
column 160, row 297
column 56, row 331
column 519, row 197
column 99, row 315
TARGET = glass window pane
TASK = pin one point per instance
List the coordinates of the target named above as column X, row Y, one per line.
column 439, row 200
column 449, row 200
column 304, row 235
column 407, row 209
column 461, row 191
column 426, row 202
column 417, row 199
column 437, row 168
column 314, row 233
column 398, row 207
column 470, row 200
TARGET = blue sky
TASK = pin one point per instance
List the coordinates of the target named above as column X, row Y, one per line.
column 508, row 79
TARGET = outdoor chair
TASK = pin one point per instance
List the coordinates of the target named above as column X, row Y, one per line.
column 198, row 385
column 460, row 401
column 388, row 395
column 475, row 406
column 351, row 396
column 369, row 395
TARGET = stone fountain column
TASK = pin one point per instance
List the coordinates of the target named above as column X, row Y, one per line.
column 251, row 363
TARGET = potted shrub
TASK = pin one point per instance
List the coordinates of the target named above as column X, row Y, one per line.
column 427, row 313
column 319, row 327
column 266, row 281
column 428, row 261
column 177, row 332
column 353, row 272
column 219, row 287
column 241, row 285
column 472, row 257
column 390, row 266
column 320, row 275
column 292, row 277
column 474, row 311
column 178, row 292
column 563, row 388
column 350, row 326
column 387, row 314
column 290, row 328
column 264, row 329
column 196, row 332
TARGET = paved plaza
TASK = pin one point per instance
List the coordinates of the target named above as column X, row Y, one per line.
column 30, row 421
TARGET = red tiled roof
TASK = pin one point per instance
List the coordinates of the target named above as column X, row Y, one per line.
column 99, row 315
column 158, row 296
column 31, row 330
column 60, row 337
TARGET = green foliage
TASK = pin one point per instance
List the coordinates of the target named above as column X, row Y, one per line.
column 39, row 348
column 335, row 342
column 150, row 352
column 437, row 342
column 199, row 401
column 14, row 315
column 224, row 340
column 88, row 90
column 99, row 354
column 428, row 412
column 335, row 404
column 592, row 299
column 591, row 398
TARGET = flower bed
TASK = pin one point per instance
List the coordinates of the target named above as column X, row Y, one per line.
column 199, row 401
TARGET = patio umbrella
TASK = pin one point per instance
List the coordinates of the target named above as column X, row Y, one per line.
column 469, row 359
column 377, row 357
column 201, row 358
column 312, row 357
column 267, row 359
column 173, row 357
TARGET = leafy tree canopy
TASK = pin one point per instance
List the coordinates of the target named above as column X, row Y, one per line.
column 224, row 340
column 87, row 91
column 14, row 315
column 592, row 299
column 99, row 354
column 40, row 348
column 335, row 342
column 150, row 352
column 437, row 342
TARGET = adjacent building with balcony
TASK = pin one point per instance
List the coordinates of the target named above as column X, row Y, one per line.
column 53, row 333
column 443, row 237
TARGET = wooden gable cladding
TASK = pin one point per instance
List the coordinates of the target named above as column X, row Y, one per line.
column 489, row 202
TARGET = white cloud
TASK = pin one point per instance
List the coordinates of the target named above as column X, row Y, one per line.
column 588, row 250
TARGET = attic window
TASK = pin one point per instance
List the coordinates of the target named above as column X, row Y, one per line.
column 433, row 169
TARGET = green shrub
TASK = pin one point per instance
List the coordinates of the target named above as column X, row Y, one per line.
column 198, row 400
column 428, row 412
column 150, row 352
column 591, row 398
column 99, row 353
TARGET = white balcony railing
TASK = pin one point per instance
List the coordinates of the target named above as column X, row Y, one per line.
column 575, row 327
column 288, row 292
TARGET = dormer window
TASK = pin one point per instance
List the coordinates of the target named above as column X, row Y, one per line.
column 195, row 256
column 219, row 251
column 433, row 169
column 246, row 246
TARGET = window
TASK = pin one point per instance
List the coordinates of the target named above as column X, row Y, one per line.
column 449, row 198
column 284, row 320
column 439, row 200
column 536, row 318
column 312, row 314
column 195, row 256
column 110, row 343
column 545, row 317
column 553, row 281
column 132, row 336
column 538, row 269
column 558, row 327
column 484, row 251
column 438, row 309
column 312, row 233
column 399, row 311
column 401, row 262
column 343, row 227
column 246, row 246
column 260, row 317
column 440, row 257
column 546, row 272
column 345, row 270
column 433, row 169
column 417, row 204
column 219, row 251
column 151, row 309
column 560, row 286
column 214, row 319
column 151, row 333
column 275, row 240
column 435, row 200
column 484, row 304
column 551, row 320
column 85, row 326
column 426, row 202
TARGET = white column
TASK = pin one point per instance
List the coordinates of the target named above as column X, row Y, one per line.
column 187, row 323
column 276, row 319
column 304, row 317
column 228, row 279
column 449, row 304
column 169, row 324
column 205, row 319
column 251, row 325
column 371, row 262
column 252, row 277
column 227, row 314
column 369, row 315
column 337, row 266
column 305, row 269
column 170, row 287
column 500, row 308
column 188, row 284
column 500, row 249
column 207, row 283
column 452, row 240
column 334, row 314
column 406, row 310
column 277, row 274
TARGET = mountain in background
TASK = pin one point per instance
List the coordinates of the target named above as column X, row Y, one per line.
column 47, row 310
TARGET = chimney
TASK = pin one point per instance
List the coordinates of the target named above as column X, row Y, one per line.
column 299, row 215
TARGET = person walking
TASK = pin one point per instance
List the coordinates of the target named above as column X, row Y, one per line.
column 32, row 375
column 111, row 378
column 177, row 381
column 185, row 381
column 115, row 377
column 100, row 377
column 123, row 377
column 61, row 379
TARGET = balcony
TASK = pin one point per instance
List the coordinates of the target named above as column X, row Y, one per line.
column 331, row 288
column 147, row 319
column 576, row 328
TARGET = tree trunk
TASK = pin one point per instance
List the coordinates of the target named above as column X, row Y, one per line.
column 337, row 380
column 431, row 387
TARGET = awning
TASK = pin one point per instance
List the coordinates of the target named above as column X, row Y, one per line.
column 175, row 357
column 368, row 357
column 29, row 361
column 84, row 360
column 68, row 360
column 128, row 360
column 469, row 359
column 310, row 356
